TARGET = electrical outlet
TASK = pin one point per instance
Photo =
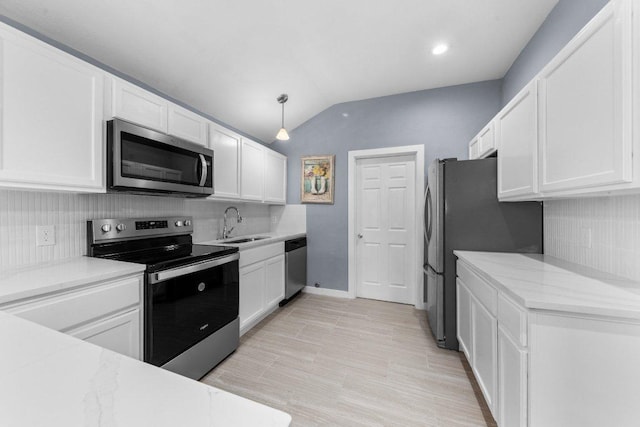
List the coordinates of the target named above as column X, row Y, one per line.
column 274, row 220
column 45, row 235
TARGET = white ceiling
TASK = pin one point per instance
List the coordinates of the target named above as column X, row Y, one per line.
column 231, row 59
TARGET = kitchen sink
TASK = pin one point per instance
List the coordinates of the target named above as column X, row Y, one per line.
column 246, row 239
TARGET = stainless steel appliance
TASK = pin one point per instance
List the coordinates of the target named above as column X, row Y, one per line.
column 462, row 212
column 141, row 160
column 295, row 255
column 191, row 292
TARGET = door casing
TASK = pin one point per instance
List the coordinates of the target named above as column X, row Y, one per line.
column 417, row 152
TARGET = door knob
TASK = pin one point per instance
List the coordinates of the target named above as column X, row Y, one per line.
column 359, row 236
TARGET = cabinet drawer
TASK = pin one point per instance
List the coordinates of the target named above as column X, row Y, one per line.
column 484, row 292
column 253, row 255
column 63, row 311
column 513, row 320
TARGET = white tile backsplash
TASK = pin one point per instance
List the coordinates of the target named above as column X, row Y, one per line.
column 602, row 233
column 288, row 219
column 22, row 211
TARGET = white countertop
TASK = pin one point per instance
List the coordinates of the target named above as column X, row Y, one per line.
column 59, row 275
column 271, row 238
column 51, row 379
column 546, row 283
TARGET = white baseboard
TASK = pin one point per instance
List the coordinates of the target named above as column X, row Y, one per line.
column 326, row 292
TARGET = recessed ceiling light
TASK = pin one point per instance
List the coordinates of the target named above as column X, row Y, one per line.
column 440, row 49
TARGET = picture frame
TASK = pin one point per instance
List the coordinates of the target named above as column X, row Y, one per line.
column 317, row 179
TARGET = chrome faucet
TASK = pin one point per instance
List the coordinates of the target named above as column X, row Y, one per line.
column 225, row 231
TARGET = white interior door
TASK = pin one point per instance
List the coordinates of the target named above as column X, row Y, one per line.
column 386, row 228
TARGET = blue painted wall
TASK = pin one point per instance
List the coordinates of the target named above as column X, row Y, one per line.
column 443, row 120
column 562, row 23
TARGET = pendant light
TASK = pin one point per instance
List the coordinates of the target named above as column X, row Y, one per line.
column 282, row 133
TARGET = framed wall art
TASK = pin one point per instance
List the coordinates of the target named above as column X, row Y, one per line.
column 317, row 179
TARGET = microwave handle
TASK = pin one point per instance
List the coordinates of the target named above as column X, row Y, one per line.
column 203, row 177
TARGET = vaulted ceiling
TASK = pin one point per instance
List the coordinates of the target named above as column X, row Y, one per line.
column 231, row 59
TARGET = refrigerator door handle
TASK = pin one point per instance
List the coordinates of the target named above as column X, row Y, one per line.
column 428, row 218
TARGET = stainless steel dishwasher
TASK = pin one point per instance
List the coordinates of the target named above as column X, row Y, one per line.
column 295, row 255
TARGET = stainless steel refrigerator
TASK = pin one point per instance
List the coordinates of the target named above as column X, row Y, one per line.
column 462, row 212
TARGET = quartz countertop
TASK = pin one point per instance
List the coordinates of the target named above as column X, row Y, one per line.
column 547, row 283
column 55, row 276
column 51, row 379
column 271, row 238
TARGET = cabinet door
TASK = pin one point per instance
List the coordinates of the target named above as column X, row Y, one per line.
column 486, row 141
column 252, row 284
column 512, row 382
column 120, row 334
column 474, row 149
column 51, row 110
column 187, row 125
column 484, row 330
column 585, row 106
column 275, row 177
column 252, row 170
column 274, row 291
column 517, row 141
column 136, row 105
column 463, row 314
column 226, row 146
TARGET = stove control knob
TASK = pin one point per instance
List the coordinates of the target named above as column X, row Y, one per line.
column 106, row 228
column 121, row 227
column 187, row 223
column 179, row 224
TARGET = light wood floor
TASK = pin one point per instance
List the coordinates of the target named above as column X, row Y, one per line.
column 339, row 362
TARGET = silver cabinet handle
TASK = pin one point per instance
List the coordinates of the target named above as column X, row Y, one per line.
column 203, row 177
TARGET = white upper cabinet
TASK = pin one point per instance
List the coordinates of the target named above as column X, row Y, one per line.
column 187, row 125
column 517, row 141
column 51, row 110
column 474, row 149
column 136, row 105
column 275, row 177
column 486, row 141
column 585, row 106
column 483, row 144
column 252, row 173
column 226, row 146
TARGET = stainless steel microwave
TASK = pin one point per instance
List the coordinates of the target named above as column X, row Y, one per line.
column 141, row 160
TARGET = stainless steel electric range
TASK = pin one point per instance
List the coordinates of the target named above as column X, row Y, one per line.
column 191, row 292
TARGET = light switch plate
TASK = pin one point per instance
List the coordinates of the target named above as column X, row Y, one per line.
column 45, row 235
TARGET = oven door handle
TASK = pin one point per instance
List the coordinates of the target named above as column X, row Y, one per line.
column 161, row 276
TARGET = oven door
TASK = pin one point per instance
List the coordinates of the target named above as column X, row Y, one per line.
column 187, row 304
column 144, row 160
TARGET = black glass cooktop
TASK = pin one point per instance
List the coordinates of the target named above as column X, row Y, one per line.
column 161, row 253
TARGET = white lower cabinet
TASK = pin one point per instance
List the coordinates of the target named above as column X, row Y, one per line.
column 464, row 319
column 252, row 287
column 492, row 333
column 274, row 286
column 261, row 283
column 484, row 359
column 512, row 382
column 104, row 313
column 120, row 333
column 583, row 370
